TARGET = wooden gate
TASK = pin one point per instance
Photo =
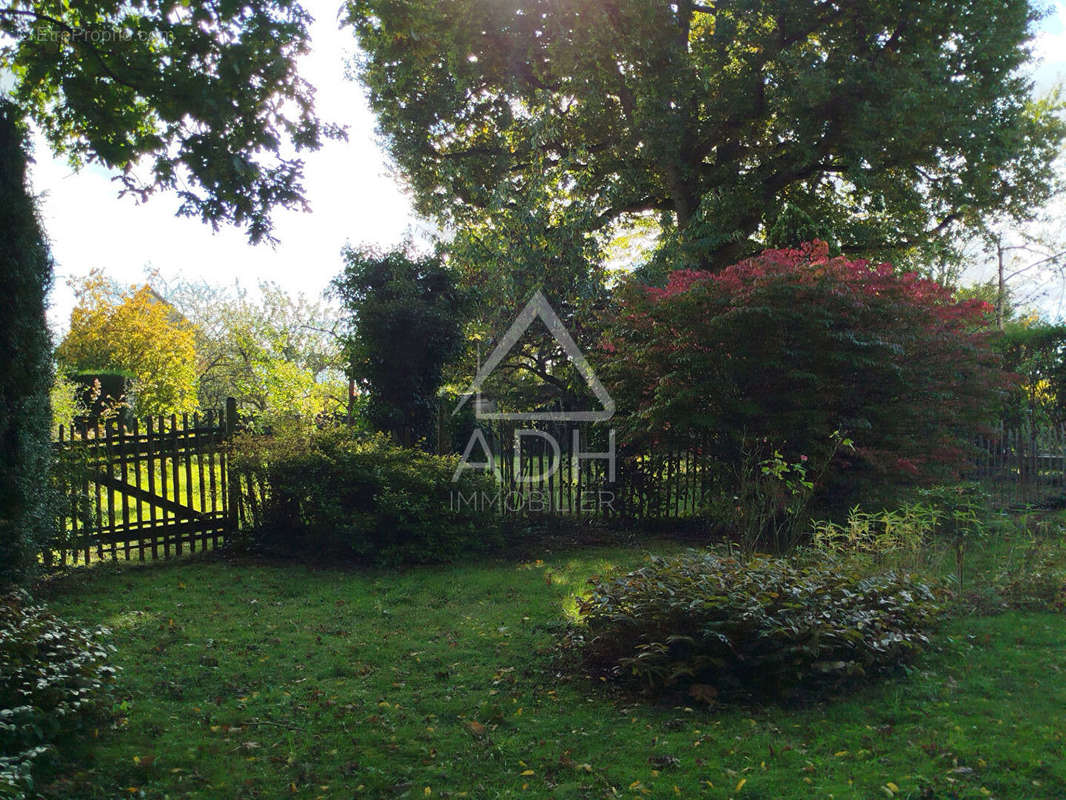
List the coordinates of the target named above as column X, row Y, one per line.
column 157, row 487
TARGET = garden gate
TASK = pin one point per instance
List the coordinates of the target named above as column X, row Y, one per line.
column 158, row 486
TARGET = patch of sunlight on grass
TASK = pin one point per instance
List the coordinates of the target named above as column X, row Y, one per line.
column 569, row 607
column 130, row 620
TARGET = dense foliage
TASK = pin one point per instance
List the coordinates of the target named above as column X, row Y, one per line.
column 199, row 98
column 25, row 363
column 501, row 263
column 715, row 624
column 53, row 677
column 337, row 494
column 786, row 351
column 66, row 401
column 1036, row 353
column 887, row 122
column 133, row 331
column 276, row 353
column 404, row 323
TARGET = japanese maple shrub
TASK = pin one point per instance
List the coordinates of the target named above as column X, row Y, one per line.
column 788, row 351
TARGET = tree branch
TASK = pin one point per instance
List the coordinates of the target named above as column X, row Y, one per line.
column 77, row 37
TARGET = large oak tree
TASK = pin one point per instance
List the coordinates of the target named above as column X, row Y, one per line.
column 886, row 122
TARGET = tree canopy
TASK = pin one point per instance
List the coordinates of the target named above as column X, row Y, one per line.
column 275, row 353
column 136, row 332
column 404, row 323
column 886, row 122
column 1034, row 351
column 200, row 98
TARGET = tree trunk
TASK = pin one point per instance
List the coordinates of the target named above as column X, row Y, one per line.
column 1001, row 285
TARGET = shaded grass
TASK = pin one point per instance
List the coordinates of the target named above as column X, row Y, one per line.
column 263, row 681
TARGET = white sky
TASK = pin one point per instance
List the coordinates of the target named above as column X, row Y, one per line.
column 351, row 198
column 351, row 195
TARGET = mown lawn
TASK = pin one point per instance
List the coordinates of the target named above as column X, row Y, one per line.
column 262, row 681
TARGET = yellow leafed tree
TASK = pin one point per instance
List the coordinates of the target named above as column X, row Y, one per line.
column 133, row 331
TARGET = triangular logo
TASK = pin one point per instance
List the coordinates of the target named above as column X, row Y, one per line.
column 538, row 306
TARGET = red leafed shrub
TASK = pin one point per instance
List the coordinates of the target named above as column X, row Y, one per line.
column 784, row 349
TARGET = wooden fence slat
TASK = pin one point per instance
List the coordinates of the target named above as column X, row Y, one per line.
column 149, row 447
column 232, row 493
column 125, row 497
column 216, row 441
column 175, row 475
column 95, row 455
column 63, row 551
column 137, row 483
column 163, row 483
column 186, row 436
column 112, row 512
column 199, row 454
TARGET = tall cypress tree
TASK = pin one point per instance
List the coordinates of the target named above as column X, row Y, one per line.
column 26, row 517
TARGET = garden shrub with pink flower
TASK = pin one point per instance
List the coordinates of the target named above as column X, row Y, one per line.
column 790, row 350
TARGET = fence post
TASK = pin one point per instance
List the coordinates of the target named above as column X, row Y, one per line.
column 233, row 489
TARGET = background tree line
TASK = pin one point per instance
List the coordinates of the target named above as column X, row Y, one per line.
column 188, row 346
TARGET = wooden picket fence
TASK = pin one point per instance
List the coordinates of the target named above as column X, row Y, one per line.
column 153, row 488
column 1022, row 465
column 670, row 483
column 161, row 487
column 1019, row 466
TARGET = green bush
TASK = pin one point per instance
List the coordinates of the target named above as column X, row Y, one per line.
column 767, row 626
column 53, row 678
column 962, row 512
column 1026, row 570
column 337, row 493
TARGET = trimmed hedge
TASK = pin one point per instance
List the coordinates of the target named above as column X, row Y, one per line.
column 769, row 626
column 341, row 494
column 26, row 498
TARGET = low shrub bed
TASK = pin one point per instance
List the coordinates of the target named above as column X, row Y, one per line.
column 54, row 677
column 341, row 494
column 714, row 624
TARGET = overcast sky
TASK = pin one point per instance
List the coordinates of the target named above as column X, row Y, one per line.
column 352, row 196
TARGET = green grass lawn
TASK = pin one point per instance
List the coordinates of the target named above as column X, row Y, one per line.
column 261, row 681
